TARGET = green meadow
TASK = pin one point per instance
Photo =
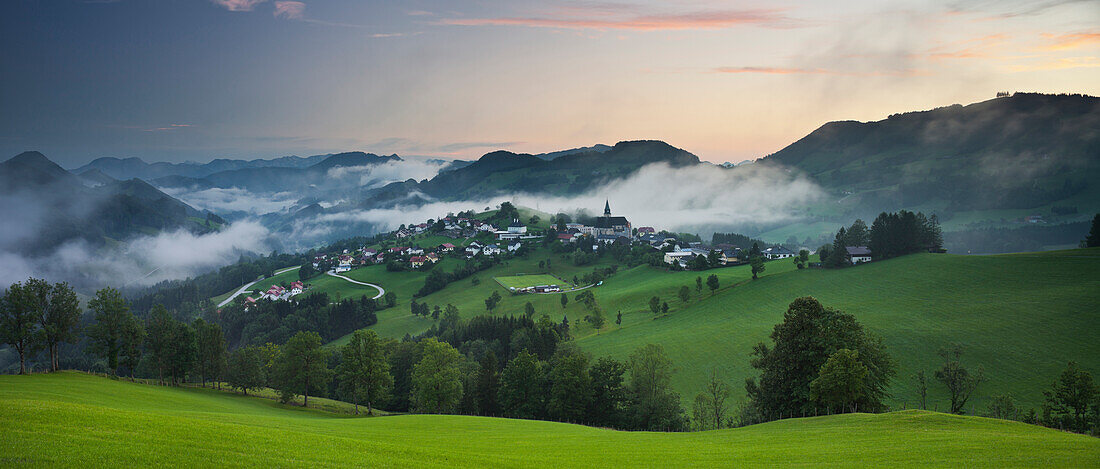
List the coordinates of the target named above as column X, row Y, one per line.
column 524, row 281
column 1020, row 317
column 76, row 420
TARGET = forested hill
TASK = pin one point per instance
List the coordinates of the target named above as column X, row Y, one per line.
column 503, row 172
column 1020, row 152
column 45, row 206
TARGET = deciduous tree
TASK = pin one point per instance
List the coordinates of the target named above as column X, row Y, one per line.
column 364, row 372
column 437, row 378
column 960, row 382
column 302, row 367
column 112, row 316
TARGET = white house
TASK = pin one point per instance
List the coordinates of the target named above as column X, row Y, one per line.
column 490, row 250
column 343, row 267
column 676, row 256
column 859, row 254
column 778, row 252
column 514, row 246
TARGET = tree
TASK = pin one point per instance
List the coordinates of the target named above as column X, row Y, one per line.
column 840, row 382
column 1070, row 396
column 522, row 392
column 712, row 283
column 112, row 316
column 437, row 378
column 529, row 310
column 59, row 320
column 302, row 367
column 809, row 334
column 19, row 314
column 655, row 305
column 450, row 317
column 709, row 410
column 306, row 271
column 685, row 294
column 564, row 300
column 1002, row 406
column 655, row 406
column 246, row 369
column 364, row 371
column 492, row 301
column 609, row 398
column 857, row 234
column 802, row 259
column 757, row 265
column 698, row 284
column 391, row 299
column 570, row 386
column 168, row 346
column 922, row 388
column 1093, row 239
column 960, row 382
column 664, row 307
column 487, row 386
column 619, row 319
column 210, row 343
column 133, row 336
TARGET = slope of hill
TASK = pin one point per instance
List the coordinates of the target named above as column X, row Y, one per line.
column 47, row 206
column 65, row 418
column 1028, row 153
column 1021, row 317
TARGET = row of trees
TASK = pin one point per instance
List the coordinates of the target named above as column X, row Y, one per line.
column 890, row 235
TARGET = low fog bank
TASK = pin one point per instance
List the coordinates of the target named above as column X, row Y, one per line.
column 699, row 199
column 370, row 177
column 142, row 261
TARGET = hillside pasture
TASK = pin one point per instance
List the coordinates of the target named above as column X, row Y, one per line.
column 72, row 419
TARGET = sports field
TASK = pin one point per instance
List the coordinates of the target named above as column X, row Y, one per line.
column 524, row 281
column 79, row 420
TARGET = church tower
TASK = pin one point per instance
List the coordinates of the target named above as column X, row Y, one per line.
column 607, row 208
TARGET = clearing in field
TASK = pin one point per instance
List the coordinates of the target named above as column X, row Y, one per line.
column 519, row 282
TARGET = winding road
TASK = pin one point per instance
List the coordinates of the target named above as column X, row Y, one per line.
column 381, row 291
column 249, row 284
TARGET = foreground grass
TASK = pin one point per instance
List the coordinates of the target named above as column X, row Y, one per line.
column 72, row 419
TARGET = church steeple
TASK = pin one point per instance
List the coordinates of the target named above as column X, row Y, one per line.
column 607, row 208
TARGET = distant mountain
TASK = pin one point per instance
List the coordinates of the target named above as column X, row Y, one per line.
column 44, row 206
column 128, row 168
column 1027, row 151
column 277, row 179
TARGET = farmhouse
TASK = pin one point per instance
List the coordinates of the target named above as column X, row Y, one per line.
column 676, row 256
column 859, row 254
column 417, row 261
column 778, row 252
column 446, row 247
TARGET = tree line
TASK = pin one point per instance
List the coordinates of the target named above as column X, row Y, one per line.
column 890, row 235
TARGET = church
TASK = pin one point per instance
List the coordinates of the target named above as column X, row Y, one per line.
column 612, row 226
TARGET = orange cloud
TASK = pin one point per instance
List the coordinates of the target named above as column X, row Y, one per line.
column 290, row 10
column 701, row 20
column 1071, row 41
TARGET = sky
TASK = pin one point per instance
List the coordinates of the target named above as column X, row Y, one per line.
column 194, row 80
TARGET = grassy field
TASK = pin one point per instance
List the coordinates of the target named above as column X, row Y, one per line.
column 70, row 419
column 1021, row 317
column 524, row 281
